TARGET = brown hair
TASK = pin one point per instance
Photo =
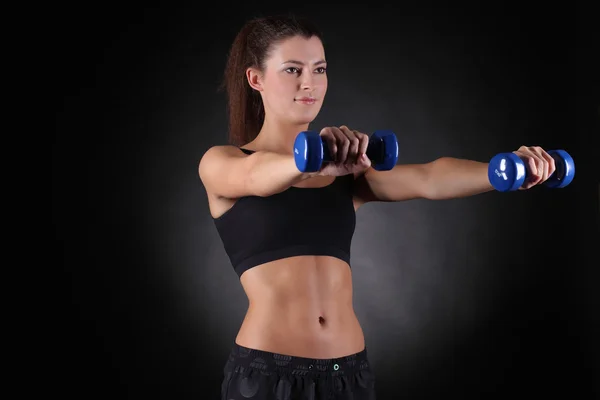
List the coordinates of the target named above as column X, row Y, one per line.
column 250, row 48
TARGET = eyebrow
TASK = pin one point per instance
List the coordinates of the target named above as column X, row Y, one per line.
column 301, row 63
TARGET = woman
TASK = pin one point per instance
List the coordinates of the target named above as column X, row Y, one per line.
column 288, row 233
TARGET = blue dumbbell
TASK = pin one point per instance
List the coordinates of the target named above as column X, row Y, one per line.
column 311, row 150
column 507, row 172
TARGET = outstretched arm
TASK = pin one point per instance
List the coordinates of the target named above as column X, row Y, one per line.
column 445, row 178
column 449, row 178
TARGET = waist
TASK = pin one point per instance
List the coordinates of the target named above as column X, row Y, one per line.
column 303, row 328
column 301, row 306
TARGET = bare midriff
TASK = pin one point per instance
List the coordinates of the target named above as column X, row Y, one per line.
column 301, row 306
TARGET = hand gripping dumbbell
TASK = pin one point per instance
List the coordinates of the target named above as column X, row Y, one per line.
column 311, row 150
column 507, row 172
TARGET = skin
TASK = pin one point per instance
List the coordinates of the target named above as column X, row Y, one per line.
column 300, row 305
column 303, row 306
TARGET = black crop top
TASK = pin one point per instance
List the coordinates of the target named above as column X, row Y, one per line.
column 297, row 221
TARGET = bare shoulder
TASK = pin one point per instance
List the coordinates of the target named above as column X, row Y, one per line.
column 223, row 170
column 217, row 155
column 216, row 158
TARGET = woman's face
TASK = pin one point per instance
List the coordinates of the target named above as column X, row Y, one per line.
column 294, row 82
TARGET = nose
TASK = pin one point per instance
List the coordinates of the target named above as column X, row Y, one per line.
column 307, row 82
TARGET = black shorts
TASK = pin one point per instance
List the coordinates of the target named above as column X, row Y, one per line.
column 260, row 375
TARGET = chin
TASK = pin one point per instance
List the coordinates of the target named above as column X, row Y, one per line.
column 304, row 121
column 306, row 118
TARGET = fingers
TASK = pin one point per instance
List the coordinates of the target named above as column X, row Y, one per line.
column 332, row 137
column 345, row 145
column 331, row 141
column 533, row 164
column 364, row 145
column 540, row 165
column 358, row 144
column 549, row 164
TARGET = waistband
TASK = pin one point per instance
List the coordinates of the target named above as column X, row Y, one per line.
column 243, row 359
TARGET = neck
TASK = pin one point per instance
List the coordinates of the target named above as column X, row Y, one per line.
column 278, row 137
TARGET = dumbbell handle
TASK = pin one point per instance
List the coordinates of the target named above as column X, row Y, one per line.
column 375, row 150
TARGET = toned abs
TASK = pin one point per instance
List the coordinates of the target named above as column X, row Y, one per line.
column 301, row 306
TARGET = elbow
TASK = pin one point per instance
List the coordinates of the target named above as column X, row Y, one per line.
column 430, row 184
column 430, row 192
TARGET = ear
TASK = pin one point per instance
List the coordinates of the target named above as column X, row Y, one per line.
column 254, row 77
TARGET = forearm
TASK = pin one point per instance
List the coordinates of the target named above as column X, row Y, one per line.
column 271, row 173
column 450, row 178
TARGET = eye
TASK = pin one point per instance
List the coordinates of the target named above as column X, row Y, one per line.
column 322, row 70
column 292, row 70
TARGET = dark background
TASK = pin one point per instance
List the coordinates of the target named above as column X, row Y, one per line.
column 491, row 296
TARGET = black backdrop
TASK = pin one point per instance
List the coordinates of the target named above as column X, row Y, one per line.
column 484, row 297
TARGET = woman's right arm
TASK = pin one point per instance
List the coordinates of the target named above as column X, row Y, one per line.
column 227, row 172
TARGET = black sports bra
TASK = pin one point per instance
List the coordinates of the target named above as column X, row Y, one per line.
column 297, row 221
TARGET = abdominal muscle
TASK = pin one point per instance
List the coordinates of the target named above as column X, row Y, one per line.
column 301, row 306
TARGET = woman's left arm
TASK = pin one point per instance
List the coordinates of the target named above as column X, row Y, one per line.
column 446, row 178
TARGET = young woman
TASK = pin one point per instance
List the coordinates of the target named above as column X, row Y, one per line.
column 288, row 233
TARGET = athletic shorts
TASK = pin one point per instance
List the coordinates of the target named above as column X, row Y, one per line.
column 261, row 375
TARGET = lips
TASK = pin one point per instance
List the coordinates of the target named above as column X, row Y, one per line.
column 306, row 100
